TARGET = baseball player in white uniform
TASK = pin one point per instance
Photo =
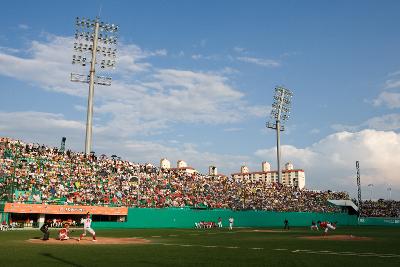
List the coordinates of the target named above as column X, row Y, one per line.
column 231, row 223
column 219, row 222
column 87, row 222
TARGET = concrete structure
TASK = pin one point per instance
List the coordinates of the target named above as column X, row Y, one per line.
column 212, row 170
column 244, row 169
column 265, row 166
column 181, row 164
column 290, row 176
column 288, row 166
column 165, row 164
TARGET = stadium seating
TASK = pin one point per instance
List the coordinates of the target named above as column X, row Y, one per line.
column 46, row 175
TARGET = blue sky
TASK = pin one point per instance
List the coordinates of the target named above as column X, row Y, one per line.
column 194, row 81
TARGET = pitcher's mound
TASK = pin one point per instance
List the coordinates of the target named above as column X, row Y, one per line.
column 336, row 237
column 263, row 231
column 88, row 241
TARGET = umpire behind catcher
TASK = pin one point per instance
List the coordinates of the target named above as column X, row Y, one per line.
column 45, row 230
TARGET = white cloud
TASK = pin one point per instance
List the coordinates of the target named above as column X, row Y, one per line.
column 392, row 83
column 48, row 128
column 42, row 127
column 196, row 56
column 391, row 100
column 233, row 129
column 23, row 27
column 330, row 163
column 260, row 61
column 206, row 57
column 142, row 98
column 388, row 122
column 239, row 49
column 315, row 131
column 394, row 73
column 388, row 98
column 8, row 50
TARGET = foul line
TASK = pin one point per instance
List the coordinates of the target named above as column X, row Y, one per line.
column 346, row 253
column 304, row 251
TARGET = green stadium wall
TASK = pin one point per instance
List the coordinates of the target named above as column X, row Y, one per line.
column 372, row 221
column 185, row 218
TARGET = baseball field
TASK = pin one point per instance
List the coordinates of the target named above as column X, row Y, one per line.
column 356, row 246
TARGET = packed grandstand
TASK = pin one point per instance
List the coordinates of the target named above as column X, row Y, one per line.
column 46, row 175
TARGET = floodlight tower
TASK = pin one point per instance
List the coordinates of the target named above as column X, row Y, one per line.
column 101, row 48
column 280, row 113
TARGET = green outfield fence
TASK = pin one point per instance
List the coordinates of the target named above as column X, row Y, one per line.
column 370, row 221
column 185, row 218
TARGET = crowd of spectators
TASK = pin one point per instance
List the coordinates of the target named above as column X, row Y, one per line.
column 380, row 208
column 46, row 175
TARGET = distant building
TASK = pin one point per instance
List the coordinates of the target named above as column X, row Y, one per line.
column 244, row 169
column 265, row 166
column 165, row 164
column 212, row 170
column 182, row 166
column 290, row 176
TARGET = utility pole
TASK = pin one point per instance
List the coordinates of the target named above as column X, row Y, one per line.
column 90, row 41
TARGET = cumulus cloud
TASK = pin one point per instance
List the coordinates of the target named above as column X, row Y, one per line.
column 390, row 99
column 42, row 127
column 330, row 163
column 388, row 122
column 48, row 128
column 392, row 83
column 142, row 99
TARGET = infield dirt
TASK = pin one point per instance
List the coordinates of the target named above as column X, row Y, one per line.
column 100, row 240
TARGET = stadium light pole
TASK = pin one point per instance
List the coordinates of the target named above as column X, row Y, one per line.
column 280, row 113
column 370, row 190
column 93, row 39
column 390, row 192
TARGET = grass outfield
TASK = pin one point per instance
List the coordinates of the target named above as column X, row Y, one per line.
column 186, row 247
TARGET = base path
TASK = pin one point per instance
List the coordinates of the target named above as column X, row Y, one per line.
column 88, row 241
column 336, row 237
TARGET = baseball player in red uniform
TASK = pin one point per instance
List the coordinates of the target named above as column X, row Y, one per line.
column 63, row 233
column 327, row 225
column 87, row 222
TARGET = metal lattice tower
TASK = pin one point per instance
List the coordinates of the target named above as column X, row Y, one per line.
column 359, row 186
column 62, row 147
column 95, row 44
column 280, row 113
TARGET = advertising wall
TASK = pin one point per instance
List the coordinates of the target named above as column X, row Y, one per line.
column 63, row 209
column 372, row 221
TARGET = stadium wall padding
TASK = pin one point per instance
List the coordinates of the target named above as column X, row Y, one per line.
column 185, row 218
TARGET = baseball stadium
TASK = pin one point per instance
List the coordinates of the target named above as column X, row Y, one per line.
column 66, row 205
column 145, row 215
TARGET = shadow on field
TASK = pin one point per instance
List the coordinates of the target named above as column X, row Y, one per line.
column 61, row 260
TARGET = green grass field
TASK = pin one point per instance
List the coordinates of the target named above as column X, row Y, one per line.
column 187, row 247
